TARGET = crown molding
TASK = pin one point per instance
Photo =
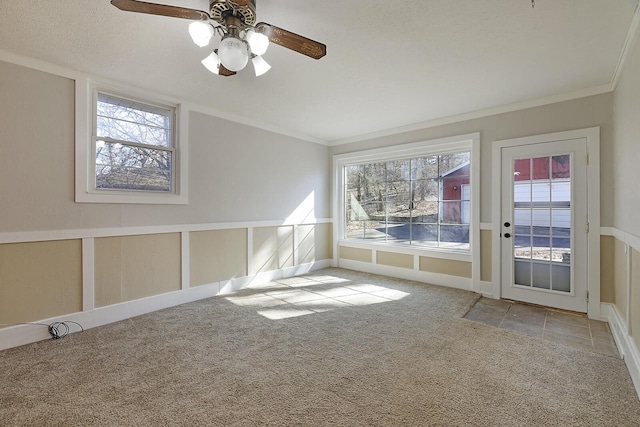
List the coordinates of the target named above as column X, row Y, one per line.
column 582, row 93
column 629, row 43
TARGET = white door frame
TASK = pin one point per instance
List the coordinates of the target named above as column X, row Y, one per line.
column 592, row 136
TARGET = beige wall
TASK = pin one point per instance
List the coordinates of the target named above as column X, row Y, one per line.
column 217, row 255
column 607, row 268
column 620, row 277
column 314, row 243
column 394, row 259
column 624, row 271
column 272, row 248
column 445, row 266
column 37, row 162
column 133, row 267
column 237, row 174
column 356, row 254
column 485, row 255
column 635, row 295
column 39, row 280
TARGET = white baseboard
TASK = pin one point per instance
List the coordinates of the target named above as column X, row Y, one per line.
column 14, row 336
column 625, row 343
column 268, row 276
column 487, row 291
column 409, row 274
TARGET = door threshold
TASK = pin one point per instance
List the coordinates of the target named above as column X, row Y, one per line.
column 558, row 310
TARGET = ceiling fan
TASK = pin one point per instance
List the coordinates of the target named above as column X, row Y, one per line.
column 241, row 38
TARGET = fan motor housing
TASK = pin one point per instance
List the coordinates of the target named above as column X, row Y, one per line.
column 220, row 9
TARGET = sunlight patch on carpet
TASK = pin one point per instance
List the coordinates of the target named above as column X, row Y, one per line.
column 299, row 282
column 293, row 301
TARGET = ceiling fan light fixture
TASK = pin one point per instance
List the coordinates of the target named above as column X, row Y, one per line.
column 260, row 65
column 258, row 42
column 212, row 63
column 233, row 53
column 201, row 32
column 234, row 21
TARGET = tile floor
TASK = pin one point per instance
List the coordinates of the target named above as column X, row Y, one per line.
column 570, row 329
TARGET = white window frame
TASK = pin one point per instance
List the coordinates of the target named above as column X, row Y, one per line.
column 85, row 163
column 468, row 142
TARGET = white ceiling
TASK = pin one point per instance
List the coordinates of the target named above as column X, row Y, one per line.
column 389, row 63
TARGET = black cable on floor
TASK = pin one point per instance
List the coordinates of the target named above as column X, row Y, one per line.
column 56, row 329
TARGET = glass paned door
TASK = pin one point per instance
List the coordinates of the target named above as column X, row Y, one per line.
column 542, row 222
column 544, row 205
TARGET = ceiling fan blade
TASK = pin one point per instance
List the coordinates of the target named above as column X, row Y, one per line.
column 292, row 41
column 161, row 9
column 224, row 72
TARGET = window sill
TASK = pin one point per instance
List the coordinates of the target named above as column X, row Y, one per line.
column 131, row 198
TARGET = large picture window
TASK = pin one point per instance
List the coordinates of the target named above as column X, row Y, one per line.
column 134, row 145
column 415, row 201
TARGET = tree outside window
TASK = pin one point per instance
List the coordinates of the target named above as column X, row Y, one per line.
column 134, row 148
column 419, row 201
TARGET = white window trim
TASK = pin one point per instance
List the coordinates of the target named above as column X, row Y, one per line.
column 85, row 163
column 469, row 142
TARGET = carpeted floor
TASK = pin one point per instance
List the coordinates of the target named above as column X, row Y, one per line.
column 333, row 348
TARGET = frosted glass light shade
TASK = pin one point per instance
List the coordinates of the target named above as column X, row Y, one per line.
column 260, row 65
column 200, row 32
column 258, row 42
column 212, row 63
column 233, row 53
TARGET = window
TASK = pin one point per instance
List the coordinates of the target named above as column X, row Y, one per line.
column 416, row 201
column 416, row 196
column 133, row 145
column 133, row 153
